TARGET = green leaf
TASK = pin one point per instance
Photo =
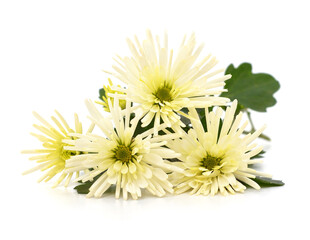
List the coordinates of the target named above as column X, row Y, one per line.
column 185, row 120
column 259, row 155
column 252, row 90
column 267, row 182
column 83, row 188
column 139, row 129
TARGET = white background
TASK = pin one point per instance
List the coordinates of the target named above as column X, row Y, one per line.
column 51, row 57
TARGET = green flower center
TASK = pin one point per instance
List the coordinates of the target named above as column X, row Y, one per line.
column 123, row 154
column 164, row 94
column 210, row 162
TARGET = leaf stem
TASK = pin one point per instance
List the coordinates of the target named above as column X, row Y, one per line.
column 263, row 136
column 250, row 120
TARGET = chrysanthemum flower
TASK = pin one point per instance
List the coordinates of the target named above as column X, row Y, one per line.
column 108, row 90
column 120, row 158
column 218, row 159
column 52, row 156
column 162, row 86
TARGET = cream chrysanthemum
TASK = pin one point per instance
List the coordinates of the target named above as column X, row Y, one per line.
column 108, row 90
column 162, row 86
column 120, row 158
column 216, row 161
column 53, row 156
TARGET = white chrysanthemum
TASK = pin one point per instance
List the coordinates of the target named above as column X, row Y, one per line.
column 130, row 162
column 53, row 155
column 216, row 161
column 162, row 86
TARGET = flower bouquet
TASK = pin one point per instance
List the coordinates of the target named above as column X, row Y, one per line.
column 177, row 125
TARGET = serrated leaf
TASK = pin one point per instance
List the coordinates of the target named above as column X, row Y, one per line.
column 267, row 182
column 252, row 90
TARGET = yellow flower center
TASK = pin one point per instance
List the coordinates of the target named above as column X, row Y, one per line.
column 123, row 153
column 66, row 154
column 163, row 94
column 210, row 162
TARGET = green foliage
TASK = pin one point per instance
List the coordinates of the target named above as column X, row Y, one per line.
column 253, row 91
column 267, row 182
column 102, row 94
column 139, row 129
column 259, row 155
column 83, row 188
